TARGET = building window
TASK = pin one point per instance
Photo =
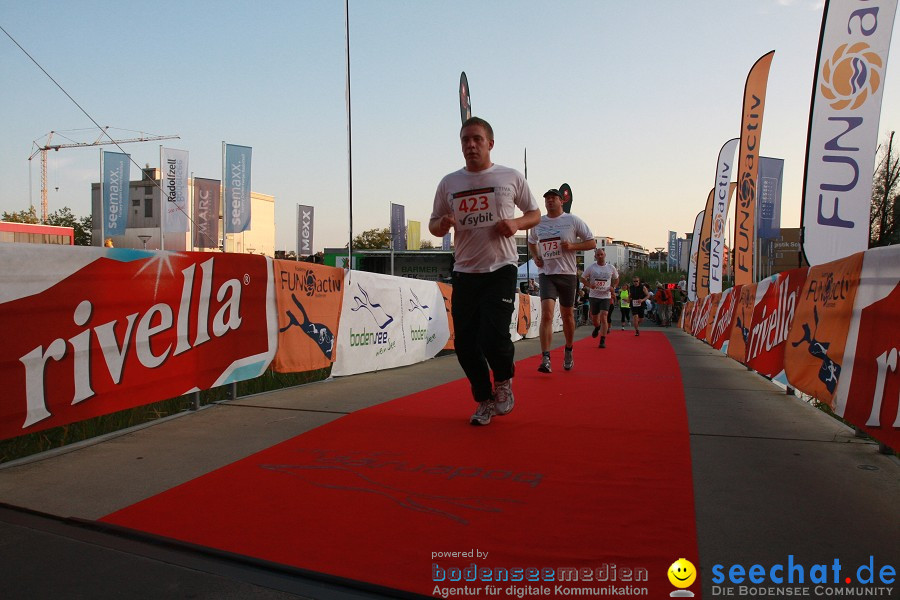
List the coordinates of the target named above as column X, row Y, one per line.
column 148, row 207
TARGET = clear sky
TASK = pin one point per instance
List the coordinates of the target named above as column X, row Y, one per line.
column 628, row 102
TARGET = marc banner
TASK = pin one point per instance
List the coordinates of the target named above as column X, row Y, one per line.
column 207, row 193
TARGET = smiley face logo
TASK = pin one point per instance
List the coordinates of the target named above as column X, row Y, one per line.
column 682, row 573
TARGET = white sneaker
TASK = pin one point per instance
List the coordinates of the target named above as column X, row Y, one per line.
column 483, row 413
column 503, row 398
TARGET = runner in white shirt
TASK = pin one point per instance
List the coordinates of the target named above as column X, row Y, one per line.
column 600, row 278
column 479, row 202
column 553, row 244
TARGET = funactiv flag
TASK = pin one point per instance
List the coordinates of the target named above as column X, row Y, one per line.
column 748, row 164
column 843, row 127
column 724, row 171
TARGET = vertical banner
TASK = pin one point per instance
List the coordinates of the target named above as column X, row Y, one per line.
column 815, row 350
column 720, row 333
column 174, row 168
column 724, row 169
column 309, row 299
column 692, row 260
column 843, row 127
column 207, row 193
column 447, row 294
column 305, row 215
column 413, row 235
column 398, row 227
column 465, row 102
column 868, row 393
column 445, row 242
column 771, row 172
column 748, row 163
column 703, row 247
column 672, row 258
column 566, row 191
column 115, row 188
column 236, row 175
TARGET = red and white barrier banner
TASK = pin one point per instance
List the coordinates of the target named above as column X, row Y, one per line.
column 776, row 302
column 813, row 357
column 701, row 317
column 720, row 332
column 514, row 334
column 91, row 331
column 868, row 390
column 712, row 309
column 388, row 322
column 523, row 315
column 534, row 325
column 309, row 300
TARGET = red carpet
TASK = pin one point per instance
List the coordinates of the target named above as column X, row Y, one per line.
column 591, row 470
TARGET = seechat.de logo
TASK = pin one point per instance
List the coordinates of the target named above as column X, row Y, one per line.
column 851, row 75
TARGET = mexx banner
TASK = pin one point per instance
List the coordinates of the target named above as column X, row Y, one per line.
column 206, row 212
column 692, row 261
column 843, row 127
column 747, row 166
column 309, row 298
column 723, row 187
column 115, row 168
column 236, row 177
column 174, row 168
column 305, row 221
column 119, row 328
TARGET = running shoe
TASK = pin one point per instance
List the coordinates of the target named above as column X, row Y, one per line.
column 503, row 398
column 596, row 331
column 637, row 332
column 483, row 413
column 602, row 342
column 568, row 360
column 545, row 365
column 623, row 326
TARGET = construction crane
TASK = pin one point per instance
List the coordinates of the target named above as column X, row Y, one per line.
column 103, row 139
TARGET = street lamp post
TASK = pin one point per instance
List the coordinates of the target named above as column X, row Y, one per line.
column 145, row 239
column 659, row 258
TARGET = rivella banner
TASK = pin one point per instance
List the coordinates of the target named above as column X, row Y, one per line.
column 388, row 322
column 115, row 187
column 723, row 187
column 236, row 177
column 119, row 328
column 843, row 127
column 174, row 169
column 747, row 166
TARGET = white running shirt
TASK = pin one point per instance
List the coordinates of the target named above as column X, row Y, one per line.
column 550, row 233
column 600, row 279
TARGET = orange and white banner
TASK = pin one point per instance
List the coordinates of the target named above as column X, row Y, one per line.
column 309, row 298
column 815, row 350
column 447, row 294
column 388, row 322
column 740, row 325
column 706, row 333
column 748, row 165
column 523, row 316
column 868, row 390
column 99, row 330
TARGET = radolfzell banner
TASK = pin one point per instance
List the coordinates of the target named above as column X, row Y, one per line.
column 120, row 328
column 236, row 177
column 747, row 167
column 174, row 168
column 723, row 187
column 115, row 185
column 309, row 299
column 206, row 212
column 843, row 127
